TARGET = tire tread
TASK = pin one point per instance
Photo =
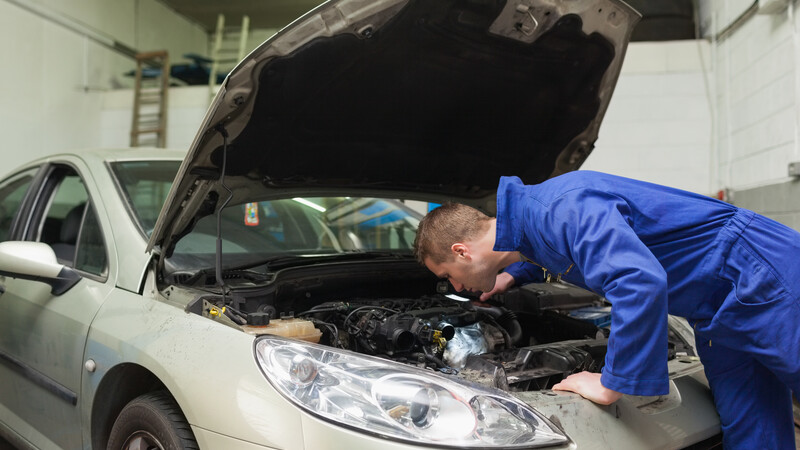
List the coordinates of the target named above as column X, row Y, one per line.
column 161, row 403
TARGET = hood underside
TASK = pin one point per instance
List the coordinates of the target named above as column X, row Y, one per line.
column 418, row 96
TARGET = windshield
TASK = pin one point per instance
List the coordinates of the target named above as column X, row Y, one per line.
column 145, row 185
column 259, row 230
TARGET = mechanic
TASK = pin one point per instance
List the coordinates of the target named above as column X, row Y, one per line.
column 649, row 250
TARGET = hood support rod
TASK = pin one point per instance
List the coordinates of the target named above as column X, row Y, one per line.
column 220, row 282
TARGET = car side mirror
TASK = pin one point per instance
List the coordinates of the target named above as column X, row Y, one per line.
column 36, row 261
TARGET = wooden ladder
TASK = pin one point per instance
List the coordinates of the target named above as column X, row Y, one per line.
column 149, row 127
column 227, row 49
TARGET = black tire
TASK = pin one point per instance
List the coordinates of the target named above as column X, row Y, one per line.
column 152, row 421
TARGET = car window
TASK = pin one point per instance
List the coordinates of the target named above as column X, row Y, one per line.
column 12, row 192
column 145, row 185
column 370, row 223
column 90, row 256
column 272, row 227
column 298, row 226
column 70, row 226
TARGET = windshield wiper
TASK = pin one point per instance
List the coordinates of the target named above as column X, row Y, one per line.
column 283, row 261
column 205, row 277
column 208, row 276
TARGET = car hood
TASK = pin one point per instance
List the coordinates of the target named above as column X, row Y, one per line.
column 416, row 98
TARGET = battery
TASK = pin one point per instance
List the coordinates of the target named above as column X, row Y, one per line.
column 600, row 316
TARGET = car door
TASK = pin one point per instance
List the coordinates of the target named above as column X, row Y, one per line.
column 42, row 335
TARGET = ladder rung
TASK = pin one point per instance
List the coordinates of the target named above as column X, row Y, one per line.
column 153, row 122
column 151, row 55
column 149, row 130
column 148, row 124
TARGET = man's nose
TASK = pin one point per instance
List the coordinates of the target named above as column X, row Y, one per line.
column 456, row 285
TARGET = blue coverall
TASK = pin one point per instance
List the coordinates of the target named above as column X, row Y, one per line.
column 652, row 250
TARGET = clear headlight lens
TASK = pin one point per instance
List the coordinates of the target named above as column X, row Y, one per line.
column 391, row 399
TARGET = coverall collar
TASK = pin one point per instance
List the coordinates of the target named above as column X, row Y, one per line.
column 509, row 214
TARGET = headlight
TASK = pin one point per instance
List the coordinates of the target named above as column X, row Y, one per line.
column 390, row 399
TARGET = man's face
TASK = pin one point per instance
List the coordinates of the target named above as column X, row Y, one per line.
column 465, row 271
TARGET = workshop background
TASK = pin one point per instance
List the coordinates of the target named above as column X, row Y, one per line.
column 708, row 99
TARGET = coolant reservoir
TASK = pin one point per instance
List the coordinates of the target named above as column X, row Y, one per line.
column 294, row 328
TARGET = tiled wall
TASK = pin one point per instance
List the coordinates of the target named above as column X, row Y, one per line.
column 54, row 79
column 777, row 201
column 658, row 126
column 757, row 105
column 756, row 93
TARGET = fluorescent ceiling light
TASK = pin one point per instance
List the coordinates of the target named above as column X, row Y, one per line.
column 309, row 204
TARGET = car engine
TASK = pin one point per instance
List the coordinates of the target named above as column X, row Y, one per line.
column 528, row 339
column 486, row 344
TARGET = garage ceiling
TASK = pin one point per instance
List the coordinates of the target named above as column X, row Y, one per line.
column 264, row 14
column 662, row 19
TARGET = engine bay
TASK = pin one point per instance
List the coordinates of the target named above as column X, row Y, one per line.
column 527, row 339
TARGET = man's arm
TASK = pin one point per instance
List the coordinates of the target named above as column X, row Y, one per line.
column 516, row 274
column 593, row 229
column 503, row 283
column 524, row 273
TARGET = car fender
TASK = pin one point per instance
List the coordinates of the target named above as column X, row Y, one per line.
column 209, row 368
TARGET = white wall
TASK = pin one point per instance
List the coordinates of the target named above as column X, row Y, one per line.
column 255, row 37
column 658, row 127
column 53, row 77
column 756, row 81
column 258, row 36
column 187, row 107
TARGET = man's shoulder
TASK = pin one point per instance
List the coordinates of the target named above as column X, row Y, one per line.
column 581, row 177
column 578, row 180
column 569, row 184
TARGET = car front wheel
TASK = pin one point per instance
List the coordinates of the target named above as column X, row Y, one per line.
column 151, row 421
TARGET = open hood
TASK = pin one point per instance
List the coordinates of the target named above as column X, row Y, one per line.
column 421, row 97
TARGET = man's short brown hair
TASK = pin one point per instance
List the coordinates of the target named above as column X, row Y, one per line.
column 443, row 227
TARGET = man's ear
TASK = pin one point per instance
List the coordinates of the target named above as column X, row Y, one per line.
column 460, row 250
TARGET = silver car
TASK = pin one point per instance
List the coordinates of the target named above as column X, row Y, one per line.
column 274, row 301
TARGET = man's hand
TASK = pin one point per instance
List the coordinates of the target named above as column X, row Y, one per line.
column 503, row 282
column 588, row 386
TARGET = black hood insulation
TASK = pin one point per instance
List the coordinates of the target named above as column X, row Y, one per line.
column 432, row 97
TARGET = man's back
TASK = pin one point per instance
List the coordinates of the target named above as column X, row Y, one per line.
column 686, row 232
